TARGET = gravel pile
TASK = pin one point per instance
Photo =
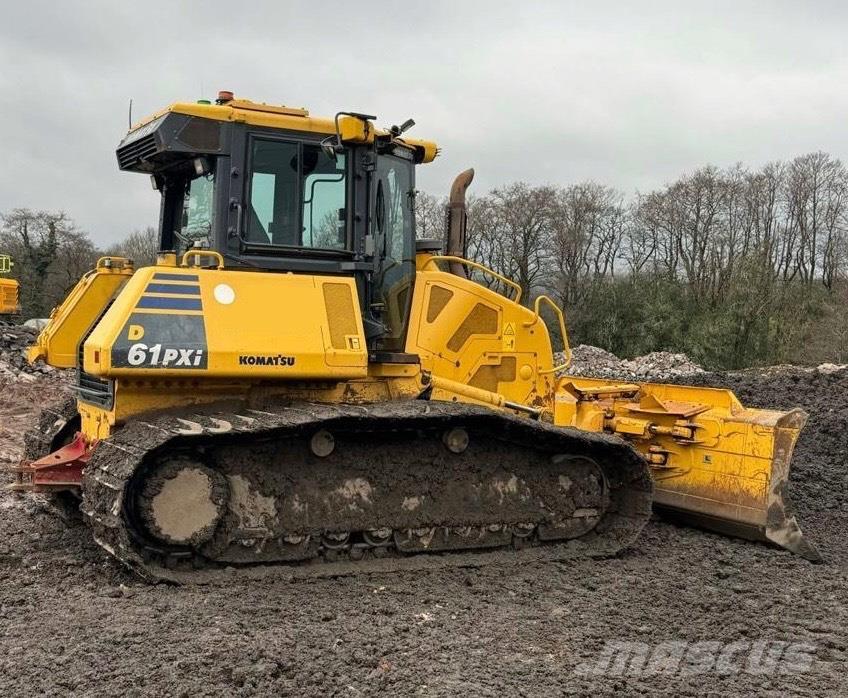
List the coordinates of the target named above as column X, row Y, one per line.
column 587, row 360
column 662, row 365
column 14, row 341
column 592, row 361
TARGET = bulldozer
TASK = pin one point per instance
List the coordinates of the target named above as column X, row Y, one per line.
column 10, row 306
column 299, row 381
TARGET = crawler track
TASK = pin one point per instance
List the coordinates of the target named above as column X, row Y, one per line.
column 398, row 480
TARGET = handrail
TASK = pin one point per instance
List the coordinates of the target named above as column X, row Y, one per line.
column 197, row 253
column 476, row 265
column 113, row 262
column 566, row 349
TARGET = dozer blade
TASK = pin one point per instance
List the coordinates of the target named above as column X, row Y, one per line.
column 747, row 497
column 715, row 463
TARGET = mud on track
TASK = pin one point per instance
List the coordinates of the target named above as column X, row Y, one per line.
column 71, row 620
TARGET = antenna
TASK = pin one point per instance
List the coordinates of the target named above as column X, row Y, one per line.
column 129, row 116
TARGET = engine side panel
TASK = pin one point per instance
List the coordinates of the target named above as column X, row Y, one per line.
column 172, row 321
column 467, row 333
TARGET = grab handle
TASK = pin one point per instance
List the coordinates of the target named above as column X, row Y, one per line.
column 566, row 349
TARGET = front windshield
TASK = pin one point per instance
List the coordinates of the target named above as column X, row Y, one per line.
column 195, row 228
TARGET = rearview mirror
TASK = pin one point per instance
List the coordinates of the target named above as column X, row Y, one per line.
column 328, row 145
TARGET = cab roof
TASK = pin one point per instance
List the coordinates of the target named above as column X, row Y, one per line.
column 228, row 108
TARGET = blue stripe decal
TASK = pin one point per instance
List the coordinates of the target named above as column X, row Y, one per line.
column 173, row 288
column 169, row 303
column 162, row 276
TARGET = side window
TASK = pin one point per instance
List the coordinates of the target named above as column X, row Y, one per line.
column 323, row 199
column 272, row 215
column 297, row 196
column 393, row 214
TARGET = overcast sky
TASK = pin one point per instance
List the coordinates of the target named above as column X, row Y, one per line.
column 629, row 93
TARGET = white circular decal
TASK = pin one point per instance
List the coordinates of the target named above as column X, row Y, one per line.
column 224, row 294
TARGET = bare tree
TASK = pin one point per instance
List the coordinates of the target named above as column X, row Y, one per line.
column 816, row 206
column 587, row 229
column 510, row 231
column 430, row 216
column 51, row 254
column 141, row 246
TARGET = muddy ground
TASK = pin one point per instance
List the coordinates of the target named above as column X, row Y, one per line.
column 72, row 621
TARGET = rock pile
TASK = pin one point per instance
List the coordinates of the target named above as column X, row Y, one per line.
column 662, row 364
column 14, row 340
column 831, row 368
column 658, row 365
column 587, row 360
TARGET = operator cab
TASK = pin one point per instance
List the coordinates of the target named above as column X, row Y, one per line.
column 274, row 189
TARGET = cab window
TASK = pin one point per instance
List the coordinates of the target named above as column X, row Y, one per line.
column 395, row 237
column 297, row 197
column 195, row 228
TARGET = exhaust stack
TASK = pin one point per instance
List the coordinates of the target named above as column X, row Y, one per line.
column 457, row 221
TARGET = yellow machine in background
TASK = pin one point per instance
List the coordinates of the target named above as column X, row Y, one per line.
column 299, row 379
column 9, row 290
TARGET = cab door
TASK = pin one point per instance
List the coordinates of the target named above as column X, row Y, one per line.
column 393, row 229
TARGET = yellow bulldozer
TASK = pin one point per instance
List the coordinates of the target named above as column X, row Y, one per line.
column 9, row 291
column 298, row 380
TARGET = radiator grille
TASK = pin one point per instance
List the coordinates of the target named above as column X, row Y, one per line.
column 93, row 389
column 340, row 315
column 137, row 151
